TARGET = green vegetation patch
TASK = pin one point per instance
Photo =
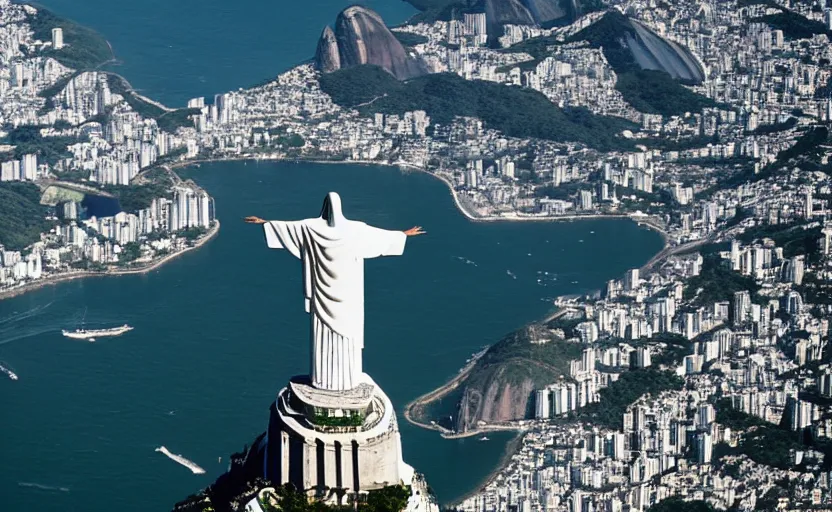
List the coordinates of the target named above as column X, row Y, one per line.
column 794, row 238
column 615, row 398
column 795, row 26
column 21, row 215
column 130, row 252
column 764, row 442
column 179, row 118
column 167, row 120
column 340, row 421
column 656, row 92
column 443, row 10
column 537, row 47
column 554, row 353
column 85, row 48
column 806, row 153
column 716, row 282
column 514, row 111
column 28, row 140
column 138, row 197
column 409, row 38
column 392, row 498
column 677, row 504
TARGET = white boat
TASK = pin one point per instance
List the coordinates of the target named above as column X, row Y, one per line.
column 484, row 438
column 91, row 334
column 8, row 372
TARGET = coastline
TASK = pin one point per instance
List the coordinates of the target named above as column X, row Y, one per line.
column 81, row 274
column 511, row 448
column 643, row 220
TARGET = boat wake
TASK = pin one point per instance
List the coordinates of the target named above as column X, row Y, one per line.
column 8, row 372
column 10, row 335
column 42, row 487
column 465, row 260
column 193, row 466
column 16, row 317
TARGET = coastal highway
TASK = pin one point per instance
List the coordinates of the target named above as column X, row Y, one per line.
column 412, row 409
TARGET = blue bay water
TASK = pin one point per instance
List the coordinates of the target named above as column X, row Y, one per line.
column 172, row 51
column 219, row 330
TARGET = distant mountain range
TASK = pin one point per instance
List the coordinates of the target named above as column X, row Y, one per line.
column 361, row 37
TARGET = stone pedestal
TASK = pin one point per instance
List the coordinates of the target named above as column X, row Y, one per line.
column 334, row 442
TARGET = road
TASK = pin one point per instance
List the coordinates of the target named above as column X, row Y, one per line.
column 411, row 409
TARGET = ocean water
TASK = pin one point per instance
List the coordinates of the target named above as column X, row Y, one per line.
column 172, row 51
column 218, row 331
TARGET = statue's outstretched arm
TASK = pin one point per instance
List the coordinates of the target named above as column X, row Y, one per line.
column 415, row 230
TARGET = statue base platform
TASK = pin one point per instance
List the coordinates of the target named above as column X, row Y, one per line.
column 319, row 443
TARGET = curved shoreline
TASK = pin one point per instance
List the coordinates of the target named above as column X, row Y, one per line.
column 458, row 202
column 81, row 274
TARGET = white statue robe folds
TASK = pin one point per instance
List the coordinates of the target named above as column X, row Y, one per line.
column 333, row 278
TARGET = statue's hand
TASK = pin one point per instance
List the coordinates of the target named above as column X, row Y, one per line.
column 415, row 230
column 254, row 220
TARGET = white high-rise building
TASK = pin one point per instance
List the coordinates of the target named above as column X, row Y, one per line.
column 586, row 200
column 742, row 306
column 29, row 167
column 475, row 25
column 794, row 273
column 57, row 38
column 542, row 404
column 704, row 448
column 631, row 280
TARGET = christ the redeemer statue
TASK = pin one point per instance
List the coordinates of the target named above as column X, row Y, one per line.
column 333, row 249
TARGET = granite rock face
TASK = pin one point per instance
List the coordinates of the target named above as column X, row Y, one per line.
column 327, row 57
column 629, row 45
column 530, row 12
column 651, row 51
column 361, row 37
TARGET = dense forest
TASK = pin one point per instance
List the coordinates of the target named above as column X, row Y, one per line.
column 795, row 26
column 717, row 282
column 21, row 215
column 677, row 504
column 764, row 442
column 514, row 111
column 656, row 92
column 28, row 140
column 615, row 398
column 85, row 48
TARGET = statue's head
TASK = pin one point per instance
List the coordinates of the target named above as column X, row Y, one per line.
column 331, row 211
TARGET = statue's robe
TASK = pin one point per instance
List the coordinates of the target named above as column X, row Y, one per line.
column 333, row 280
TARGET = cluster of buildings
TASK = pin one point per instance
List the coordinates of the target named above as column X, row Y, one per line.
column 754, row 351
column 25, row 169
column 758, row 348
column 80, row 243
column 115, row 143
